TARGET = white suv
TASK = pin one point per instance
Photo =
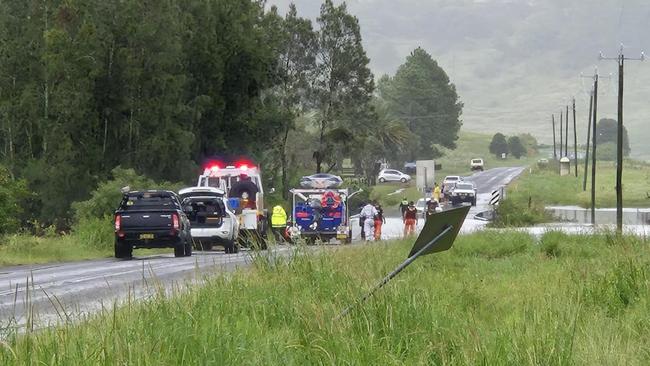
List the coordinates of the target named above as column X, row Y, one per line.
column 476, row 164
column 212, row 222
column 392, row 175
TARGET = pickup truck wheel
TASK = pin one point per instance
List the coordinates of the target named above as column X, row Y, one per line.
column 118, row 251
column 188, row 248
column 179, row 250
column 123, row 251
column 229, row 246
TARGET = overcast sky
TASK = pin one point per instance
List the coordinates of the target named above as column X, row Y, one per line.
column 514, row 62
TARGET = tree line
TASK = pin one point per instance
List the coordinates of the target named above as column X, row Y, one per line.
column 520, row 145
column 159, row 86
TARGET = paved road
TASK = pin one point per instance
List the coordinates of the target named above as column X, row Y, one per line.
column 486, row 182
column 47, row 294
column 54, row 292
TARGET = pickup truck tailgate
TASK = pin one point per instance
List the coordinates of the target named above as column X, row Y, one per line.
column 146, row 220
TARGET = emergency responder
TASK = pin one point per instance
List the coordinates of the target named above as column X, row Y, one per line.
column 279, row 223
column 380, row 220
column 436, row 192
column 433, row 207
column 403, row 206
column 410, row 219
column 368, row 213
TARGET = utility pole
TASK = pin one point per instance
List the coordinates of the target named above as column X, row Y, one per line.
column 619, row 140
column 591, row 105
column 593, row 156
column 566, row 136
column 554, row 144
column 561, row 140
column 575, row 138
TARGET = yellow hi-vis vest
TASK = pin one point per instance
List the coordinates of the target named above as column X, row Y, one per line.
column 279, row 217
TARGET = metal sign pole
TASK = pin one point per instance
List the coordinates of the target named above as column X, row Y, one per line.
column 396, row 271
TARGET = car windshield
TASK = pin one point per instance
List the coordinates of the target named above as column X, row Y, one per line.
column 421, row 203
column 452, row 178
column 225, row 182
column 464, row 186
column 477, row 161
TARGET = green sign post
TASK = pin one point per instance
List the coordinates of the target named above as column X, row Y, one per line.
column 437, row 235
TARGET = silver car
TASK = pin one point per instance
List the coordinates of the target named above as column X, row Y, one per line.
column 392, row 175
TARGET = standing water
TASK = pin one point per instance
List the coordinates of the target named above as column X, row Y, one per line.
column 604, row 216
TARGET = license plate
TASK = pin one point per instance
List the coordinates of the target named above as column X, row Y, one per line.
column 146, row 236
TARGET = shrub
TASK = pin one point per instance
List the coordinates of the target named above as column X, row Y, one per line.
column 13, row 195
column 106, row 197
column 94, row 232
column 511, row 213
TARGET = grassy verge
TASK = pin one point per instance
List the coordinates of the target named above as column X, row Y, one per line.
column 494, row 299
column 27, row 249
column 381, row 193
column 91, row 239
column 546, row 187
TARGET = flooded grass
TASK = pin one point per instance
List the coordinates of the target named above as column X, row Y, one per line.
column 494, row 299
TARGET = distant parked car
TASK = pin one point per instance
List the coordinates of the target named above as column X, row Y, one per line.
column 321, row 181
column 448, row 184
column 410, row 167
column 392, row 175
column 421, row 206
column 476, row 164
column 452, row 179
column 542, row 163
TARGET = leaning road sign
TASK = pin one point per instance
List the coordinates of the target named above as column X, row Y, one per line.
column 439, row 232
column 435, row 225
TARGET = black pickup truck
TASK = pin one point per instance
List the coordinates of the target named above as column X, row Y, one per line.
column 151, row 219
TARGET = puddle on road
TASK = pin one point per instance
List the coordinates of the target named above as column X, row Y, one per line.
column 604, row 216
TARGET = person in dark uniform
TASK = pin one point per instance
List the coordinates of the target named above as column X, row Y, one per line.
column 246, row 190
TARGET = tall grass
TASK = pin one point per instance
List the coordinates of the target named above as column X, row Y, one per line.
column 92, row 238
column 494, row 299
